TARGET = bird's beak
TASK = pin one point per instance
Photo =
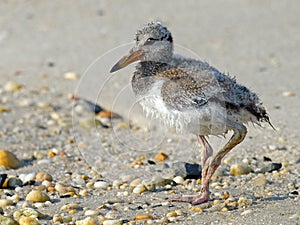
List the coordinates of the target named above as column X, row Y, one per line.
column 133, row 56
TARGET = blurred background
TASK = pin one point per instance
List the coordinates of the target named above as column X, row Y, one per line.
column 256, row 41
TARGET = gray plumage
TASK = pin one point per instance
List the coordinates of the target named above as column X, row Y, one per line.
column 189, row 88
column 191, row 96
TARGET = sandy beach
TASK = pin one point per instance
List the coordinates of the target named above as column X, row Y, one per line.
column 53, row 50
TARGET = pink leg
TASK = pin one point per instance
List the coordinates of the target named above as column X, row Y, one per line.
column 210, row 166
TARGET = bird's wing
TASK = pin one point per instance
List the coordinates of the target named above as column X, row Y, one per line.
column 185, row 88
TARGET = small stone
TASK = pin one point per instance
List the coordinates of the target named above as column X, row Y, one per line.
column 27, row 177
column 70, row 206
column 87, row 221
column 57, row 218
column 171, row 214
column 101, row 185
column 67, row 219
column 143, row 217
column 112, row 222
column 7, row 220
column 160, row 157
column 196, row 209
column 135, row 182
column 37, row 196
column 187, row 170
column 126, row 178
column 14, row 182
column 162, row 182
column 60, row 188
column 260, row 181
column 150, row 186
column 91, row 213
column 270, row 168
column 2, row 179
column 140, row 188
column 43, row 176
column 4, row 109
column 178, row 180
column 9, row 159
column 6, row 202
column 244, row 202
column 83, row 192
column 28, row 212
column 288, row 94
column 247, row 212
column 108, row 114
column 12, row 86
column 28, row 221
column 240, row 169
column 71, row 76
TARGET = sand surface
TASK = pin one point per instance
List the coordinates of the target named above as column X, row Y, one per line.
column 255, row 41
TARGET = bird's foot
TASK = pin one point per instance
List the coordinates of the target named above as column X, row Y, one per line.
column 193, row 199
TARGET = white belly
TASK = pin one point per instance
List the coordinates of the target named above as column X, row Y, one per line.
column 208, row 119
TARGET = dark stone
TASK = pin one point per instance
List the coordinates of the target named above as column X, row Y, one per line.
column 14, row 182
column 187, row 170
column 297, row 161
column 151, row 162
column 270, row 168
column 3, row 177
column 92, row 106
column 294, row 193
column 267, row 159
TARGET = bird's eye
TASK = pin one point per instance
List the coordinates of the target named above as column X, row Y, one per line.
column 150, row 41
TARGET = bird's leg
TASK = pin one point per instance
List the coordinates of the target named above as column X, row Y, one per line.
column 239, row 133
column 206, row 152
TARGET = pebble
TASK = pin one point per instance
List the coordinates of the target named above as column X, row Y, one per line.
column 41, row 176
column 4, row 109
column 150, row 186
column 101, row 185
column 143, row 217
column 9, row 159
column 126, row 178
column 187, row 170
column 160, row 157
column 28, row 212
column 260, row 181
column 3, row 177
column 6, row 202
column 87, row 221
column 270, row 168
column 28, row 221
column 140, row 188
column 27, row 177
column 12, row 86
column 178, row 180
column 71, row 76
column 109, row 115
column 37, row 196
column 288, row 94
column 14, row 182
column 70, row 206
column 240, row 169
column 91, row 213
column 171, row 214
column 247, row 212
column 135, row 182
column 112, row 222
column 7, row 220
column 160, row 181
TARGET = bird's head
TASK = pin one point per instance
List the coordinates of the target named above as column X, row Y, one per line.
column 152, row 43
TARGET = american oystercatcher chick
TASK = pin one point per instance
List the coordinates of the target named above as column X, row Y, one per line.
column 191, row 96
